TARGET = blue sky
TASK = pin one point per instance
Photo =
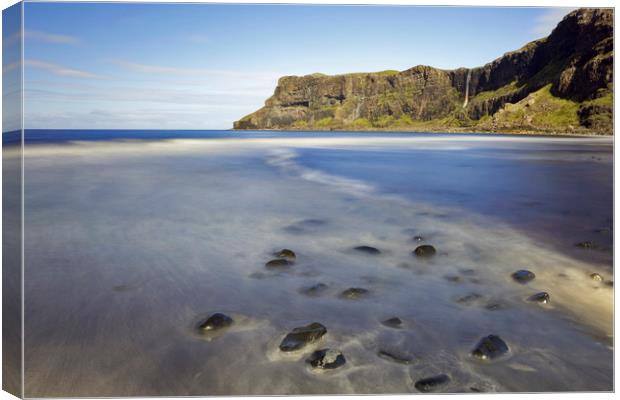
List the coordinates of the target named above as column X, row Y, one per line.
column 203, row 66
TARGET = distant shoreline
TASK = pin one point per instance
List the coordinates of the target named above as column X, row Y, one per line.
column 438, row 131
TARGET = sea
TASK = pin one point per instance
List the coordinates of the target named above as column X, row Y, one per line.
column 133, row 238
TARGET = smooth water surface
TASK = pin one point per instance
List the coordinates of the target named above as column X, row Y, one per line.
column 131, row 242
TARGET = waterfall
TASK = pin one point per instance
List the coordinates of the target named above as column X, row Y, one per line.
column 467, row 88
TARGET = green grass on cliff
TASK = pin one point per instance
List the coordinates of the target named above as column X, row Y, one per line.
column 490, row 94
column 539, row 111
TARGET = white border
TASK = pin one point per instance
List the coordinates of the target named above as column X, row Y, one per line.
column 484, row 3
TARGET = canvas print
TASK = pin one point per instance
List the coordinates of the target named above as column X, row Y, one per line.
column 297, row 199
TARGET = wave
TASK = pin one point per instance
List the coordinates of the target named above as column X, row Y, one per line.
column 285, row 160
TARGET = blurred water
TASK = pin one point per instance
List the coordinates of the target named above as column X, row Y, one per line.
column 129, row 243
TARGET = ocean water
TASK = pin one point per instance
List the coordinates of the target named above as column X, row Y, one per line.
column 132, row 238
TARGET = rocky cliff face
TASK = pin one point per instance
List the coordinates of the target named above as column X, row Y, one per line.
column 562, row 83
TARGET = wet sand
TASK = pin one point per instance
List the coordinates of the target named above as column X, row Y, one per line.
column 130, row 244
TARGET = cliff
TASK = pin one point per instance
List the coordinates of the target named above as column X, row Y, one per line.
column 558, row 84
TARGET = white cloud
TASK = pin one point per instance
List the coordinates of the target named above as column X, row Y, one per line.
column 62, row 70
column 545, row 23
column 51, row 37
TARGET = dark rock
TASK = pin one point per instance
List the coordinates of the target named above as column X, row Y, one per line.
column 285, row 253
column 490, row 347
column 523, row 276
column 426, row 250
column 495, row 306
column 215, row 322
column 315, row 289
column 469, row 299
column 279, row 263
column 609, row 283
column 596, row 277
column 301, row 336
column 542, row 297
column 432, row 383
column 354, row 293
column 326, row 359
column 393, row 322
column 586, row 245
column 305, row 226
column 391, row 356
column 368, row 250
column 452, row 278
column 468, row 271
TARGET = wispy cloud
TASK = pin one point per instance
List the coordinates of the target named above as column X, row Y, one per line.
column 159, row 69
column 51, row 37
column 546, row 22
column 62, row 70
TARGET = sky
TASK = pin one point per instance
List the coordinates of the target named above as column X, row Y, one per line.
column 203, row 66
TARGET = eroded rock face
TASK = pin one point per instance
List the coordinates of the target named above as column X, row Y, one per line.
column 301, row 336
column 327, row 359
column 490, row 347
column 576, row 60
column 432, row 384
column 215, row 322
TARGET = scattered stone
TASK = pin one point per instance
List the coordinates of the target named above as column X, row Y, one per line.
column 122, row 288
column 305, row 226
column 495, row 306
column 596, row 277
column 490, row 347
column 278, row 263
column 354, row 293
column 418, row 239
column 367, row 250
column 301, row 336
column 542, row 297
column 609, row 283
column 326, row 359
column 468, row 271
column 469, row 299
column 315, row 289
column 285, row 253
column 586, row 245
column 426, row 250
column 523, row 276
column 432, row 383
column 452, row 278
column 390, row 356
column 216, row 322
column 393, row 322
